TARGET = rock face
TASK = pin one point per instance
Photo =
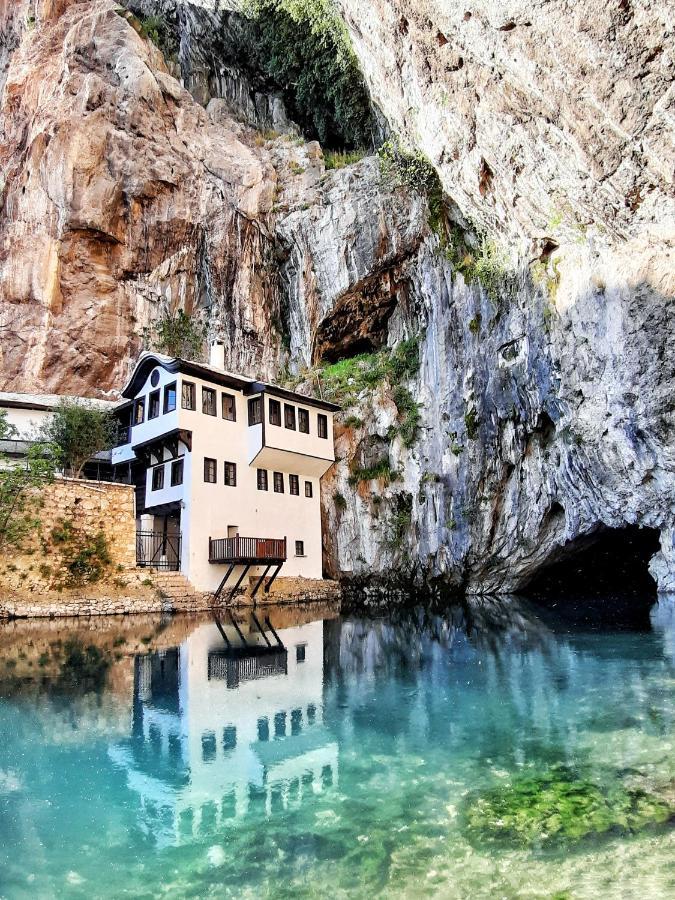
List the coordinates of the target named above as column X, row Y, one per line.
column 545, row 390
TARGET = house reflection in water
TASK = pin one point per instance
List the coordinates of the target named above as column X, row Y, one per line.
column 219, row 734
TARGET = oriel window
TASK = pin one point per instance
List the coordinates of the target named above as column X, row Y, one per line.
column 275, row 412
column 208, row 401
column 176, row 472
column 255, row 411
column 187, row 395
column 229, row 408
column 158, row 478
column 303, row 421
column 139, row 411
column 153, row 405
column 170, row 397
column 289, row 416
column 210, row 470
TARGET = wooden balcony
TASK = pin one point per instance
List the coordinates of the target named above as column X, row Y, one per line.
column 249, row 551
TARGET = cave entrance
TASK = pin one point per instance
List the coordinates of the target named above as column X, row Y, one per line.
column 612, row 562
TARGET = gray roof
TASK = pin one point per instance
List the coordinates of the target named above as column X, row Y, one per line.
column 15, row 400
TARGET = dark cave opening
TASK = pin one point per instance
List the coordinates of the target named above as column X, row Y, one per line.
column 607, row 570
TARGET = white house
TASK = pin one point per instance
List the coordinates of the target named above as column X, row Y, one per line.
column 227, row 471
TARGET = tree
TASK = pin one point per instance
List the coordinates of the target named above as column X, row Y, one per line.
column 176, row 334
column 79, row 431
column 21, row 484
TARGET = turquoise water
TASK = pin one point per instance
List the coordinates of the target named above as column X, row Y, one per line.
column 143, row 758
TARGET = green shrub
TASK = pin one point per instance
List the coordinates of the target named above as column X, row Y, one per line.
column 84, row 557
column 79, row 431
column 409, row 415
column 400, row 519
column 176, row 334
column 339, row 501
column 336, row 159
column 472, row 423
column 402, row 168
column 381, row 470
column 303, row 48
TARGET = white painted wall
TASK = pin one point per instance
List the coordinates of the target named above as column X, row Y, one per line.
column 27, row 421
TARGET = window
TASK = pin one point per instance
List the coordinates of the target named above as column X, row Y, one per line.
column 294, row 485
column 154, row 378
column 289, row 416
column 208, row 746
column 229, row 408
column 210, row 470
column 275, row 412
column 176, row 472
column 303, row 421
column 255, row 411
column 322, row 423
column 308, row 489
column 170, row 397
column 229, row 737
column 158, row 478
column 230, row 474
column 262, row 479
column 187, row 395
column 280, row 724
column 263, row 729
column 299, row 548
column 139, row 411
column 300, row 652
column 153, row 405
column 208, row 401
column 279, row 482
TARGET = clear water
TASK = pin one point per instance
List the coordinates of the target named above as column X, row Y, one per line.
column 162, row 766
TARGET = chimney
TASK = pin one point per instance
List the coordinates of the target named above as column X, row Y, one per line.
column 217, row 355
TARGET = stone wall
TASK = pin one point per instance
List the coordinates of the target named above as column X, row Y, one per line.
column 95, row 506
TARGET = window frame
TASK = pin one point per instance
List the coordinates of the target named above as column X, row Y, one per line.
column 177, row 465
column 231, row 468
column 309, row 490
column 278, row 479
column 214, row 480
column 322, row 425
column 290, row 421
column 300, row 545
column 255, row 411
column 303, row 418
column 192, row 395
column 157, row 481
column 139, row 403
column 294, row 485
column 223, row 397
column 209, row 392
column 262, row 482
column 154, row 398
column 275, row 412
column 165, row 405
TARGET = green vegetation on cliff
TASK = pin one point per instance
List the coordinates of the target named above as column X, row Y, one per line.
column 303, row 49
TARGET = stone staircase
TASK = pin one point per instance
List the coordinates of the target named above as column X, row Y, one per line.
column 177, row 593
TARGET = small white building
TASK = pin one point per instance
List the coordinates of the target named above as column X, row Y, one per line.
column 227, row 471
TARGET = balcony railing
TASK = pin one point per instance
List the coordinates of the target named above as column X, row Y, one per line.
column 158, row 550
column 247, row 550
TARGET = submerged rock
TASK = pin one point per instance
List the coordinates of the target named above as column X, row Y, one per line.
column 559, row 807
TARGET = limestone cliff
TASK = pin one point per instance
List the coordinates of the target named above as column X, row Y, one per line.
column 546, row 373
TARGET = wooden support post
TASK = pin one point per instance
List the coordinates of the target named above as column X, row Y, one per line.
column 239, row 631
column 260, row 581
column 260, row 629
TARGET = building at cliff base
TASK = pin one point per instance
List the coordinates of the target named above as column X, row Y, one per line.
column 227, row 472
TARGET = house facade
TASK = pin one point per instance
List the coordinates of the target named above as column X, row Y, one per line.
column 227, row 471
